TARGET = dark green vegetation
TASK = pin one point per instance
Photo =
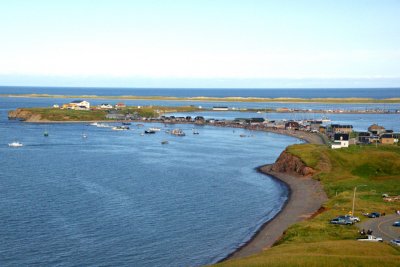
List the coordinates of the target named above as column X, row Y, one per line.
column 315, row 242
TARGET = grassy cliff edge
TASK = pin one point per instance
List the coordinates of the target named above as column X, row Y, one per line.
column 315, row 242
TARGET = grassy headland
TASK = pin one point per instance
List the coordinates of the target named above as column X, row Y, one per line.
column 69, row 115
column 216, row 99
column 315, row 242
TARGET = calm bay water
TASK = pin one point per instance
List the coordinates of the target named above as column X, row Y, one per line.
column 119, row 198
column 122, row 199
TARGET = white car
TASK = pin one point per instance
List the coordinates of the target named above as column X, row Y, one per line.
column 395, row 242
column 371, row 238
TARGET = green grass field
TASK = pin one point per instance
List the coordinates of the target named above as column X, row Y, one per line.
column 315, row 242
column 53, row 114
column 324, row 253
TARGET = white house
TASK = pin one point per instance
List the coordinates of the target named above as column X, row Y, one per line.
column 77, row 105
column 106, row 106
column 340, row 140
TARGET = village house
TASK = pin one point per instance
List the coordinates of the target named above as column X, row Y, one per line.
column 199, row 120
column 338, row 128
column 314, row 126
column 364, row 137
column 389, row 138
column 120, row 105
column 340, row 140
column 105, row 106
column 77, row 105
column 292, row 125
column 376, row 129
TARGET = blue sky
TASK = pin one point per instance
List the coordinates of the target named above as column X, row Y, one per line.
column 207, row 43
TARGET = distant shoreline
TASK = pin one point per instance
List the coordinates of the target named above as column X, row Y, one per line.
column 351, row 100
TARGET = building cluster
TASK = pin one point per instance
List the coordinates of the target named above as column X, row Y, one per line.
column 339, row 134
column 85, row 105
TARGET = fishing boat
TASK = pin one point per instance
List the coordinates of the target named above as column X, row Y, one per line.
column 149, row 131
column 178, row 132
column 195, row 131
column 102, row 125
column 155, row 129
column 126, row 123
column 243, row 135
column 120, row 128
column 164, row 142
column 46, row 134
column 15, row 144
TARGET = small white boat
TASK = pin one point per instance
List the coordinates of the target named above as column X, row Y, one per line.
column 154, row 129
column 178, row 132
column 84, row 135
column 102, row 125
column 15, row 144
column 195, row 131
column 120, row 128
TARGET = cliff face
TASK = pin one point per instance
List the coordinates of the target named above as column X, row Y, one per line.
column 288, row 163
column 24, row 115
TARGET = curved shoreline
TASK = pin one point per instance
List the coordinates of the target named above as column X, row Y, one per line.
column 305, row 198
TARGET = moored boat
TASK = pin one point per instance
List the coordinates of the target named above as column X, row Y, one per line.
column 120, row 128
column 155, row 129
column 15, row 144
column 178, row 132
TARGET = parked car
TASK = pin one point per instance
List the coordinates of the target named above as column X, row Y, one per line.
column 351, row 218
column 342, row 221
column 396, row 224
column 374, row 215
column 371, row 238
column 395, row 242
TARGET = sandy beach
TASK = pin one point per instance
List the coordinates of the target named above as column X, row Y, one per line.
column 306, row 197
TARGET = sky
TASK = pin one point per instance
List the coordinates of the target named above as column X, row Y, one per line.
column 200, row 43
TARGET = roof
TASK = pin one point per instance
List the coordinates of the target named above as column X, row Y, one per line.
column 339, row 136
column 387, row 136
column 341, row 126
column 77, row 101
column 376, row 127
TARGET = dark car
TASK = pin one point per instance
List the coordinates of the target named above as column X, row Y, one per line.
column 397, row 224
column 341, row 221
column 374, row 215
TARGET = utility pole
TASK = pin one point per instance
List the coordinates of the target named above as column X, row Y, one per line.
column 354, row 198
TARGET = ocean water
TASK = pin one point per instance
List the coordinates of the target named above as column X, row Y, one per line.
column 119, row 198
column 379, row 93
column 122, row 199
